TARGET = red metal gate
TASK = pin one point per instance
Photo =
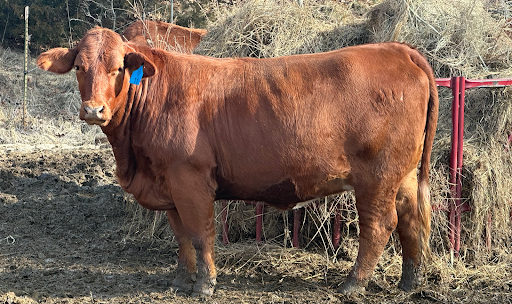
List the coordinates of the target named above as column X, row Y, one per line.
column 456, row 206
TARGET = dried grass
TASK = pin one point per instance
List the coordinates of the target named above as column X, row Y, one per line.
column 142, row 223
column 460, row 38
column 272, row 259
column 271, row 28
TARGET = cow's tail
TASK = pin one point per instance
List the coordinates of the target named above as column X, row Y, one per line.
column 424, row 207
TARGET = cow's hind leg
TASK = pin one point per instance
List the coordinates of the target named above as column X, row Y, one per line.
column 409, row 225
column 186, row 272
column 377, row 220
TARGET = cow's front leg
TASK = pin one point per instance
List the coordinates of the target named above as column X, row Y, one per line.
column 206, row 272
column 193, row 197
column 186, row 272
column 377, row 220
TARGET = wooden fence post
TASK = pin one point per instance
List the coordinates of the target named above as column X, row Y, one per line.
column 172, row 11
column 25, row 70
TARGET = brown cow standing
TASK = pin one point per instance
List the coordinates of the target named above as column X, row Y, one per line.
column 282, row 130
column 163, row 35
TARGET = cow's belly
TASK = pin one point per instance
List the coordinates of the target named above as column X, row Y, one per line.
column 286, row 194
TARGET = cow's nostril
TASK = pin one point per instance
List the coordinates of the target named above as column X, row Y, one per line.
column 87, row 110
column 102, row 109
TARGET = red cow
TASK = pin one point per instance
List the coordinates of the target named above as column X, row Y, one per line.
column 164, row 35
column 282, row 130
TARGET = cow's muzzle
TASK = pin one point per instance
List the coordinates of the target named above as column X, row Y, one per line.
column 95, row 114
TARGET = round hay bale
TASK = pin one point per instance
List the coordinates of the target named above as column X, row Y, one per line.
column 460, row 38
column 271, row 28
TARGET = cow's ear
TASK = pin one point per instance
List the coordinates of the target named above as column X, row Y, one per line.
column 57, row 60
column 134, row 60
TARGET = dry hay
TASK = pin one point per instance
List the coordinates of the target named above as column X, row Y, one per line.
column 271, row 28
column 143, row 223
column 460, row 38
column 11, row 297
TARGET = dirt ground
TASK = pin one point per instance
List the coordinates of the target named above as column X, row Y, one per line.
column 63, row 239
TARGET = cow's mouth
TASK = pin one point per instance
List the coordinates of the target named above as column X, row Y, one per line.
column 99, row 122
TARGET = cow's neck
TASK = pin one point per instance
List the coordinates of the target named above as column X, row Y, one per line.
column 119, row 133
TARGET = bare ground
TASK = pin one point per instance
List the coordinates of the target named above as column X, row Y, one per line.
column 64, row 239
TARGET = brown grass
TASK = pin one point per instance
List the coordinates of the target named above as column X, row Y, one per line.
column 460, row 38
column 271, row 28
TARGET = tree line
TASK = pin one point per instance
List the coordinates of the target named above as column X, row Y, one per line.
column 57, row 23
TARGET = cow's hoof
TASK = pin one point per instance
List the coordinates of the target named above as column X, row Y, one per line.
column 406, row 285
column 184, row 282
column 411, row 277
column 204, row 287
column 409, row 283
column 352, row 287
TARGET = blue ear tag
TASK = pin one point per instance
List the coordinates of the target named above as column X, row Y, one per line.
column 137, row 76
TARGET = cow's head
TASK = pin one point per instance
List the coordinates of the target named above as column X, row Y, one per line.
column 103, row 65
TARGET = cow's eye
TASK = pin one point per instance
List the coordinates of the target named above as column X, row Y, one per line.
column 77, row 68
column 121, row 69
